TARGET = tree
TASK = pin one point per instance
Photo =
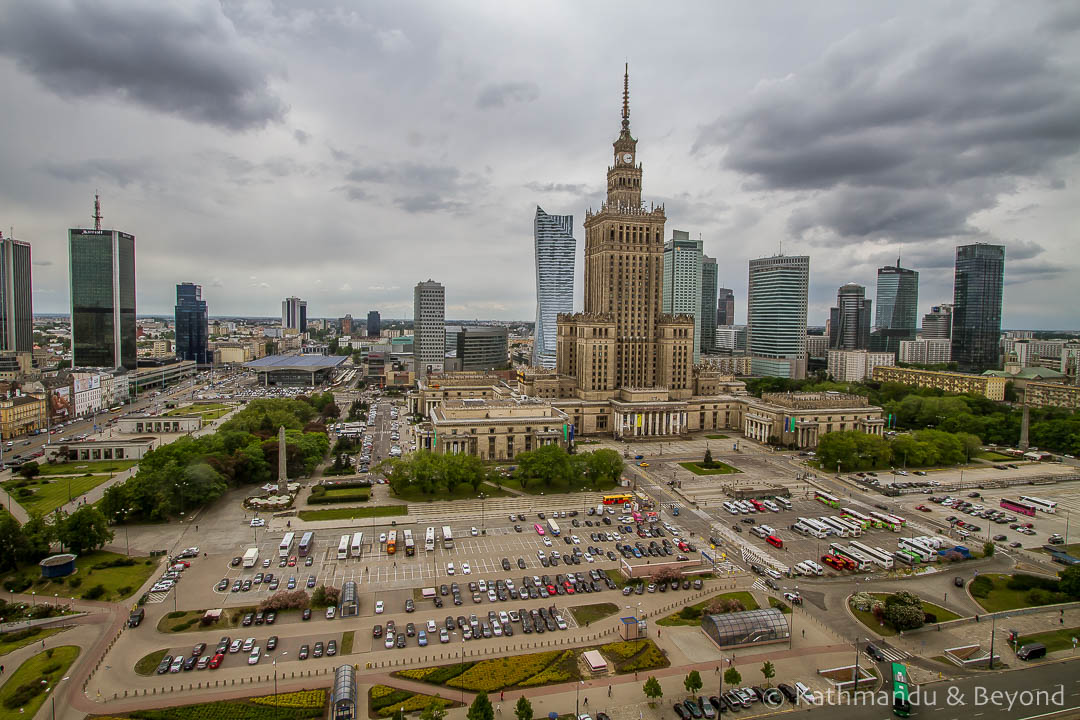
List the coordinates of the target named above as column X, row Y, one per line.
column 435, row 711
column 30, row 469
column 524, row 709
column 988, row 549
column 904, row 611
column 707, row 461
column 692, row 682
column 481, row 708
column 1070, row 581
column 652, row 690
column 602, row 466
column 37, row 537
column 85, row 529
column 768, row 671
column 732, row 677
column 11, row 541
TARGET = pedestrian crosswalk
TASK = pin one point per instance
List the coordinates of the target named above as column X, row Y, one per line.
column 892, row 654
column 759, row 584
column 156, row 597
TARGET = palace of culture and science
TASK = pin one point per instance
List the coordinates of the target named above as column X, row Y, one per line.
column 624, row 368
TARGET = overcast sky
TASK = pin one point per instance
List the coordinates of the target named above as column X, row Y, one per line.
column 344, row 151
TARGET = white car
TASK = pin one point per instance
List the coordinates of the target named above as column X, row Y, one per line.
column 378, row 607
column 253, row 658
column 449, row 568
column 547, row 541
column 382, row 538
column 248, row 644
column 330, row 611
column 465, row 569
column 258, row 522
column 474, row 532
column 432, row 627
column 389, row 640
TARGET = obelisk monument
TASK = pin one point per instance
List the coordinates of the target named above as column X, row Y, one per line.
column 282, row 474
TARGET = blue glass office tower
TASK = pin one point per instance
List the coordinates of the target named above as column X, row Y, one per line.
column 192, row 324
column 897, row 308
column 976, row 320
column 776, row 301
column 102, row 271
column 555, row 246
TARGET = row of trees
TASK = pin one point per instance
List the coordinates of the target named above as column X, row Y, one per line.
column 190, row 472
column 83, row 530
column 548, row 467
column 853, row 450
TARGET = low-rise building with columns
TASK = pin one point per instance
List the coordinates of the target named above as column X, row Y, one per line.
column 800, row 419
column 493, row 429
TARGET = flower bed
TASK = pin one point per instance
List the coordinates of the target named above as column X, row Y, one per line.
column 563, row 669
column 499, row 673
column 384, row 701
column 299, row 699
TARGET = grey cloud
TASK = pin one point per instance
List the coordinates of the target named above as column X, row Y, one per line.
column 502, row 94
column 301, row 136
column 119, row 172
column 572, row 188
column 184, row 59
column 428, row 202
column 903, row 141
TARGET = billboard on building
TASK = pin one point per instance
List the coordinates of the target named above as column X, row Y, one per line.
column 60, row 403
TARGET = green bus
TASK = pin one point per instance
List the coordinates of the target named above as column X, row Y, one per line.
column 901, row 705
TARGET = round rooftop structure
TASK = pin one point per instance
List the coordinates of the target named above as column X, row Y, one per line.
column 56, row 566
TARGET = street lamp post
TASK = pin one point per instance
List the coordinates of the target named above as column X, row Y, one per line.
column 483, row 527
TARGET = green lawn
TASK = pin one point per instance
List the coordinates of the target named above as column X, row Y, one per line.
column 1054, row 640
column 585, row 614
column 691, row 614
column 352, row 513
column 41, row 673
column 716, row 437
column 119, row 582
column 148, row 663
column 1001, row 597
column 461, row 492
column 347, row 641
column 81, row 467
column 341, row 495
column 722, row 469
column 995, row 456
column 536, row 488
column 49, row 494
column 866, row 617
column 16, row 639
column 188, row 620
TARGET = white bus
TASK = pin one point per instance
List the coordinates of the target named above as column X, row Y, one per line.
column 881, row 558
column 286, row 544
column 886, row 521
column 934, row 543
column 410, row 545
column 429, row 540
column 356, row 547
column 854, row 528
column 1046, row 506
column 862, row 563
column 913, row 546
column 817, row 525
column 553, row 527
column 838, row 528
column 307, row 542
column 784, row 502
column 447, row 537
column 343, row 547
column 856, row 516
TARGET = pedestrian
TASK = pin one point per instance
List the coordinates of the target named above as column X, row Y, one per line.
column 804, row 632
column 586, row 700
column 1, row 669
column 502, row 695
column 717, row 670
column 608, row 687
column 196, row 528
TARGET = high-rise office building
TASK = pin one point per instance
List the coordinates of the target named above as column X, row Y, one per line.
column 937, row 323
column 553, row 238
column 708, row 304
column 776, row 301
column 374, row 323
column 294, row 315
column 725, row 307
column 483, row 348
column 849, row 321
column 977, row 293
column 429, row 327
column 16, row 301
column 682, row 281
column 192, row 324
column 897, row 308
column 346, row 324
column 102, row 274
column 623, row 339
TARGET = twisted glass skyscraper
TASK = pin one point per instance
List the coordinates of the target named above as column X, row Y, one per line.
column 555, row 245
column 977, row 291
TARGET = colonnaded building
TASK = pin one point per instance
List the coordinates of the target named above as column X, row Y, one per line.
column 624, row 368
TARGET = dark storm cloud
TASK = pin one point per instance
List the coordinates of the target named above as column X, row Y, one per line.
column 184, row 59
column 901, row 141
column 572, row 188
column 502, row 94
column 119, row 172
column 417, row 187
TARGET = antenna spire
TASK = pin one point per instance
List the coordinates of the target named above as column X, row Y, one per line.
column 97, row 212
column 898, row 255
column 626, row 98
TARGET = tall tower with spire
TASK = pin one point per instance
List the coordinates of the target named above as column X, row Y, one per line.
column 622, row 340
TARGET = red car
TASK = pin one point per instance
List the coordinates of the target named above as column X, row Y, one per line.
column 215, row 662
column 569, row 588
column 922, row 508
column 292, row 561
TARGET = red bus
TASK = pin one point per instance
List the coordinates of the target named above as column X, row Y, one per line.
column 758, row 505
column 775, row 541
column 834, row 562
column 1018, row 507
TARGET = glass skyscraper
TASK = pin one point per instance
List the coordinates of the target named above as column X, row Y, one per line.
column 102, row 270
column 555, row 251
column 849, row 321
column 897, row 308
column 682, row 281
column 192, row 324
column 294, row 314
column 16, row 304
column 708, row 304
column 374, row 323
column 725, row 307
column 976, row 317
column 776, row 302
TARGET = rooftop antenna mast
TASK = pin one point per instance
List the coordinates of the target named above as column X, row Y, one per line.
column 97, row 212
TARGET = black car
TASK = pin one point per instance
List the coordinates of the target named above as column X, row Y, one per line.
column 505, row 564
column 788, row 691
column 874, row 653
column 163, row 666
column 681, row 711
column 400, row 642
column 695, row 711
column 307, row 614
column 271, row 643
column 198, row 649
column 248, row 619
column 235, row 562
column 376, row 631
column 521, row 563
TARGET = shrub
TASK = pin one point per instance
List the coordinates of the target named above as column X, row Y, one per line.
column 981, row 586
column 318, row 491
column 690, row 613
column 648, row 659
column 299, row 699
column 929, row 618
column 1038, row 596
column 556, row 672
column 24, row 694
column 176, row 614
column 499, row 673
column 75, row 581
column 94, row 593
column 1020, row 581
column 286, row 600
column 17, row 584
column 18, row 635
column 325, row 596
column 625, row 649
column 115, row 562
column 124, row 591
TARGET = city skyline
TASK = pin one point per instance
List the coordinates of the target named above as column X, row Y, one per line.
column 284, row 162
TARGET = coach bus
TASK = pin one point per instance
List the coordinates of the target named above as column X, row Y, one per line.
column 429, row 540
column 916, row 547
column 343, row 547
column 837, row 528
column 817, row 525
column 553, row 527
column 906, row 558
column 617, row 499
column 1046, row 506
column 862, row 563
column 286, row 544
column 356, row 547
column 856, row 517
column 306, row 543
column 391, row 542
column 827, row 499
column 881, row 558
column 644, row 501
column 410, row 546
column 886, row 521
column 447, row 537
column 1018, row 507
column 901, row 702
column 855, row 528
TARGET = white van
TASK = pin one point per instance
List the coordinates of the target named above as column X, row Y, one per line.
column 771, row 505
column 818, row 570
column 784, row 502
column 804, row 693
column 759, row 531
